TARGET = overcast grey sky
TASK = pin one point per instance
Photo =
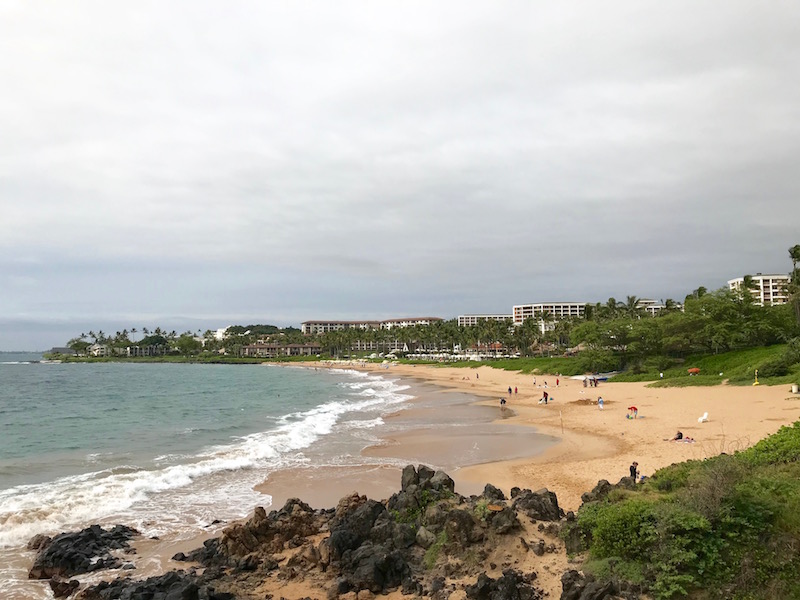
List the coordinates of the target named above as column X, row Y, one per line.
column 197, row 164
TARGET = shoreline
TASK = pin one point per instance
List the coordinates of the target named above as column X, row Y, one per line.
column 589, row 444
column 599, row 444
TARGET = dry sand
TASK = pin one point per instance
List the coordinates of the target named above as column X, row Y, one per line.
column 594, row 444
column 601, row 444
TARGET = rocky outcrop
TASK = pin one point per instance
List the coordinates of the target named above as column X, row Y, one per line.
column 541, row 505
column 576, row 586
column 80, row 552
column 415, row 541
column 175, row 585
column 604, row 488
column 513, row 585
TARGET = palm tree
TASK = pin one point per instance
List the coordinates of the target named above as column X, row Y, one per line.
column 794, row 253
column 632, row 308
column 794, row 285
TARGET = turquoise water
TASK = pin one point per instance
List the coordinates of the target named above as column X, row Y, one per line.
column 168, row 445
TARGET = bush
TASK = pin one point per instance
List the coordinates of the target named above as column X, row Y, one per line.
column 725, row 527
column 626, row 530
column 776, row 367
column 780, row 448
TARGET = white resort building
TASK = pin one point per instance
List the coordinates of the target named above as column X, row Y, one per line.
column 319, row 327
column 652, row 307
column 471, row 320
column 555, row 311
column 408, row 322
column 767, row 290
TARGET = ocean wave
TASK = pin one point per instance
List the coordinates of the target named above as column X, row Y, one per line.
column 69, row 501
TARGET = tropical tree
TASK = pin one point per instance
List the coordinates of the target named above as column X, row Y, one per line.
column 794, row 285
column 188, row 345
column 631, row 307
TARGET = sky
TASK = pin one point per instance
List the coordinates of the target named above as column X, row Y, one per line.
column 192, row 165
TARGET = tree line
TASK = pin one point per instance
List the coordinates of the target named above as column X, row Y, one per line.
column 611, row 335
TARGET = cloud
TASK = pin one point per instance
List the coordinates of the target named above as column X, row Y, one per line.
column 302, row 160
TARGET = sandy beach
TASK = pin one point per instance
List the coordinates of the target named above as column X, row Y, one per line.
column 566, row 446
column 601, row 444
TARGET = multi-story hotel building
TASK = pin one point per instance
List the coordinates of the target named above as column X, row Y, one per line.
column 556, row 311
column 652, row 308
column 318, row 327
column 408, row 322
column 470, row 320
column 767, row 290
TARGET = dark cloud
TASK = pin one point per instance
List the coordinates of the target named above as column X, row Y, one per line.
column 285, row 161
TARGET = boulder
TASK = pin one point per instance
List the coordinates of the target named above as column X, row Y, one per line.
column 425, row 538
column 80, row 552
column 513, row 585
column 598, row 492
column 175, row 585
column 62, row 588
column 461, row 529
column 575, row 586
column 442, row 482
column 492, row 493
column 425, row 474
column 352, row 530
column 435, row 517
column 541, row 505
column 409, row 477
column 503, row 521
column 377, row 569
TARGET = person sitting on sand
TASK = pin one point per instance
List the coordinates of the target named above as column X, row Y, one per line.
column 678, row 436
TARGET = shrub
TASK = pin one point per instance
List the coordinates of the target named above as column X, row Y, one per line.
column 780, row 448
column 626, row 529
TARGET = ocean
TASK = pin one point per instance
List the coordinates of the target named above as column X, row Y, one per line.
column 170, row 448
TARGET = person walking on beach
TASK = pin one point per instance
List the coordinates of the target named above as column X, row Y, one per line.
column 545, row 396
column 600, row 402
column 557, row 380
column 515, row 390
column 509, row 390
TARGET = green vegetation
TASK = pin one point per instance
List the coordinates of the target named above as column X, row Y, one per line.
column 720, row 331
column 433, row 552
column 725, row 527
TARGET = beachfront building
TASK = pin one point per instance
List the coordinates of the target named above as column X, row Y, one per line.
column 548, row 313
column 472, row 320
column 276, row 350
column 408, row 322
column 767, row 290
column 99, row 350
column 653, row 308
column 320, row 327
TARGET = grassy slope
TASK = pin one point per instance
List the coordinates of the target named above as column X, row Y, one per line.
column 738, row 367
column 725, row 527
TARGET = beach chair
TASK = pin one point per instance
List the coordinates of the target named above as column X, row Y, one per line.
column 703, row 419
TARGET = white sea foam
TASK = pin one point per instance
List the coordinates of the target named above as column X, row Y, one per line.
column 150, row 497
